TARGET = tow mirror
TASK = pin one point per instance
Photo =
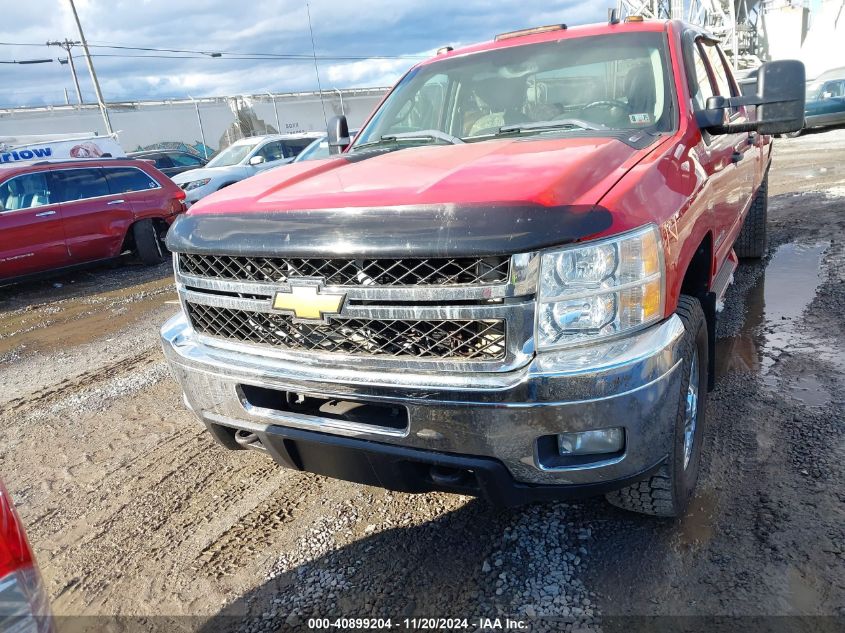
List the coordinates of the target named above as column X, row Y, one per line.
column 338, row 134
column 257, row 160
column 779, row 97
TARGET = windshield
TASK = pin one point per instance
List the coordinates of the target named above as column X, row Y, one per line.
column 608, row 82
column 813, row 90
column 317, row 149
column 232, row 155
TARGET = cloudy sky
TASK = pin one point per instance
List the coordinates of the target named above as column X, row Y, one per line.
column 360, row 42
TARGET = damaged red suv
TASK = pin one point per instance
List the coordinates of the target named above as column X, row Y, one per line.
column 54, row 215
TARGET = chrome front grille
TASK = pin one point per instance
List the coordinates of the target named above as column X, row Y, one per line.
column 413, row 271
column 470, row 324
column 471, row 340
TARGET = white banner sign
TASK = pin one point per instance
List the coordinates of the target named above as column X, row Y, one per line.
column 13, row 151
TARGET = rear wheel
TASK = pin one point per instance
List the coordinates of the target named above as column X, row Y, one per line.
column 148, row 243
column 667, row 492
column 753, row 239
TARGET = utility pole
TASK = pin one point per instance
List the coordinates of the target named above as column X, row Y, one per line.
column 97, row 90
column 67, row 45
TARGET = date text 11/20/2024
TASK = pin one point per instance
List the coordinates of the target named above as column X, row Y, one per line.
column 418, row 624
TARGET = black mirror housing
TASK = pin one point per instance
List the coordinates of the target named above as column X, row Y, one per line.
column 713, row 116
column 338, row 134
column 778, row 93
column 781, row 88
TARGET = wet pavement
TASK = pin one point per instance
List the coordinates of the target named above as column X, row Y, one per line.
column 775, row 305
column 133, row 511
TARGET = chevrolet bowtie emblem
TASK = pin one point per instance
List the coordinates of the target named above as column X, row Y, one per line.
column 306, row 302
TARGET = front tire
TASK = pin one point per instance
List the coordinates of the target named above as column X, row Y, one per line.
column 147, row 242
column 667, row 492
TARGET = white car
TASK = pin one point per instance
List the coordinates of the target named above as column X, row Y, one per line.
column 319, row 148
column 242, row 159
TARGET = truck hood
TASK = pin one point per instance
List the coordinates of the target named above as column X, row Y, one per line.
column 570, row 170
column 210, row 172
column 495, row 197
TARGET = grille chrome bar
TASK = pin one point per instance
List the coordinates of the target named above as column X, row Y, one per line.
column 350, row 272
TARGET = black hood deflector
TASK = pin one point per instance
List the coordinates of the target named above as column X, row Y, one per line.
column 402, row 231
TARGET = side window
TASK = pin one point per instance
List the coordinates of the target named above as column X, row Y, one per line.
column 25, row 192
column 272, row 151
column 832, row 89
column 723, row 87
column 293, row 148
column 128, row 179
column 78, row 184
column 185, row 160
column 425, row 110
column 162, row 161
column 700, row 87
column 718, row 64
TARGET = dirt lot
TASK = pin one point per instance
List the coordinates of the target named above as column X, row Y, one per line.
column 133, row 511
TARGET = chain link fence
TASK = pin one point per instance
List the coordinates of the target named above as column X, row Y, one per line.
column 203, row 126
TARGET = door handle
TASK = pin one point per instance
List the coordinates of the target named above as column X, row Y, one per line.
column 737, row 156
column 121, row 201
column 44, row 214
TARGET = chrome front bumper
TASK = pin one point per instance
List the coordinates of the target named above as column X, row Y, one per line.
column 633, row 383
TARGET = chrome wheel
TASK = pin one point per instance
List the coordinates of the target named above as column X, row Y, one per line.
column 691, row 409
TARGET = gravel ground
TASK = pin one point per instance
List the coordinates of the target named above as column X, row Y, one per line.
column 140, row 522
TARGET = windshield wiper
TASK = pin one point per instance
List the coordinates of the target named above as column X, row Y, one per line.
column 420, row 135
column 550, row 125
column 434, row 135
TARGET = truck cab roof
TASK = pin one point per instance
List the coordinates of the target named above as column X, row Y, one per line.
column 538, row 35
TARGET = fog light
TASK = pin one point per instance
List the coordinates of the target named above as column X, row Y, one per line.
column 591, row 442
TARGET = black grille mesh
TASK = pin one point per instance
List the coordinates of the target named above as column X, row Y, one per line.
column 350, row 272
column 477, row 340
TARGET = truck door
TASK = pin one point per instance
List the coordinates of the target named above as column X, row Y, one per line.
column 31, row 236
column 748, row 154
column 734, row 157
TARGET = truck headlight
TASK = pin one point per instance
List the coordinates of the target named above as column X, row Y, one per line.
column 598, row 290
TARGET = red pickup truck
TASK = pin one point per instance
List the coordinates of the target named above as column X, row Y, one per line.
column 506, row 286
column 58, row 214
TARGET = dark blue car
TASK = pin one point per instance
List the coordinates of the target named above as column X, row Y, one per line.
column 825, row 100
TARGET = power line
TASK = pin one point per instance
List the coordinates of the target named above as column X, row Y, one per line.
column 250, row 54
column 209, row 54
column 307, row 58
column 316, row 69
column 26, row 61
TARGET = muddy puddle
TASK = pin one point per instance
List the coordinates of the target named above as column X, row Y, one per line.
column 69, row 321
column 772, row 329
column 697, row 525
